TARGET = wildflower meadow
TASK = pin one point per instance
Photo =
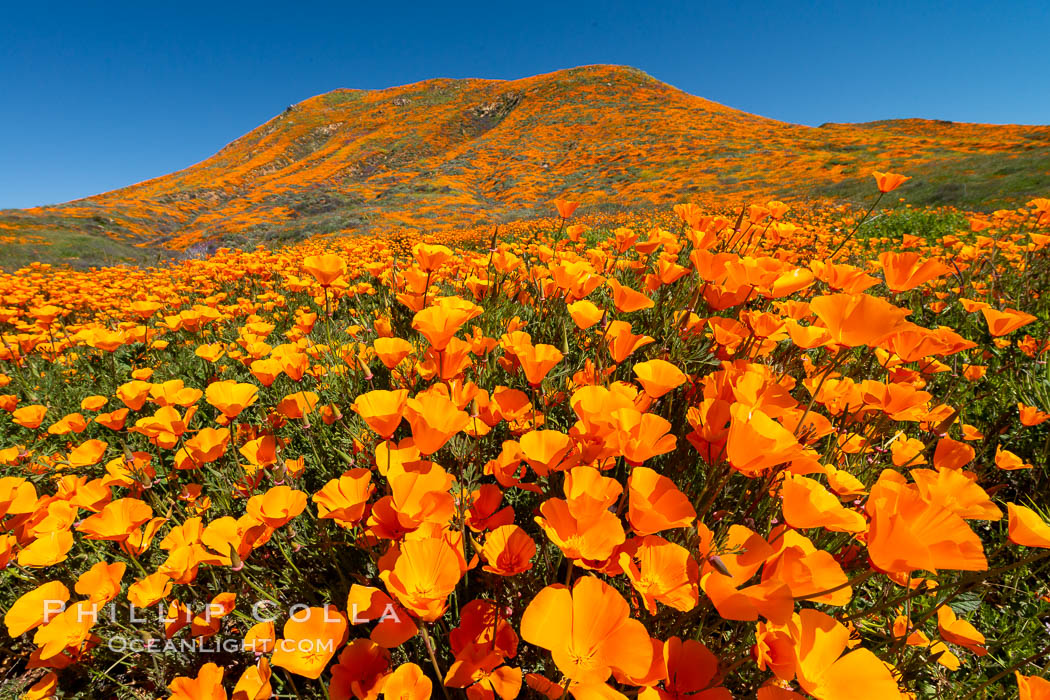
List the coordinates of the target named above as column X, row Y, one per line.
column 764, row 451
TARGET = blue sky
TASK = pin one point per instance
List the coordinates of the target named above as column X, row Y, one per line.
column 98, row 95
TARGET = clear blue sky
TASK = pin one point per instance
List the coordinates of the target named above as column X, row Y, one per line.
column 97, row 95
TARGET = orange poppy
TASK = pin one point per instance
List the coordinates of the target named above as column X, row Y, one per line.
column 959, row 632
column 887, row 182
column 663, row 572
column 658, row 377
column 508, row 551
column 907, row 533
column 904, row 271
column 424, row 574
column 35, row 608
column 565, row 207
column 434, row 419
column 326, row 269
column 588, row 631
column 438, row 323
column 207, row 685
column 360, row 671
column 382, row 410
column 655, row 503
column 309, row 640
column 277, row 506
column 231, row 397
column 1026, row 527
column 1006, row 321
column 407, row 682
column 825, row 672
column 857, row 319
column 807, row 504
column 345, row 499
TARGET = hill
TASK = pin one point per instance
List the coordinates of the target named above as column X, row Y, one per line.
column 455, row 153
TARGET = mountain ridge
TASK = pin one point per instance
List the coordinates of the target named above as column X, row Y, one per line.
column 447, row 153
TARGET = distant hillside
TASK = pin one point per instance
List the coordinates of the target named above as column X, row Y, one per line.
column 451, row 153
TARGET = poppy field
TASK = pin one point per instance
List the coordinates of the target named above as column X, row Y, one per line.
column 764, row 451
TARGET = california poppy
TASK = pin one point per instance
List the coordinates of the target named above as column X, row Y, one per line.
column 309, row 640
column 588, row 631
column 887, row 182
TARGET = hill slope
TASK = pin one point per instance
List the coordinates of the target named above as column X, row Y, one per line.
column 444, row 153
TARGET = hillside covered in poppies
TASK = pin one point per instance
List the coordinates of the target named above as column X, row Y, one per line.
column 445, row 154
column 724, row 420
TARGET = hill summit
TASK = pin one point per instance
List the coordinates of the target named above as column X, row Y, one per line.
column 457, row 153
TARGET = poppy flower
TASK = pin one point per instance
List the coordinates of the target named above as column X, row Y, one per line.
column 47, row 549
column 254, row 683
column 807, row 504
column 565, row 207
column 116, row 520
column 207, row 685
column 482, row 673
column 391, row 351
column 1027, row 528
column 69, row 629
column 627, row 300
column 424, row 574
column 622, row 342
column 508, row 551
column 757, row 443
column 810, row 573
column 959, row 632
column 663, row 572
column 359, row 672
column 1031, row 416
column 887, row 182
column 45, row 688
column 391, row 625
column 1031, row 687
column 655, row 503
column 434, row 419
column 1007, row 321
column 87, row 453
column 484, row 512
column 584, row 314
column 952, row 454
column 208, row 445
column 725, row 574
column 101, row 583
column 904, row 271
column 149, row 590
column 658, row 377
column 277, row 506
column 825, row 672
column 231, row 397
column 692, row 672
column 309, row 640
column 422, row 495
column 594, row 537
column 346, row 498
column 326, row 269
column 857, row 319
column 588, row 631
column 907, row 533
column 29, row 416
column 430, row 257
column 537, row 360
column 407, row 682
column 546, row 450
column 382, row 410
column 438, row 323
column 35, row 608
column 957, row 491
